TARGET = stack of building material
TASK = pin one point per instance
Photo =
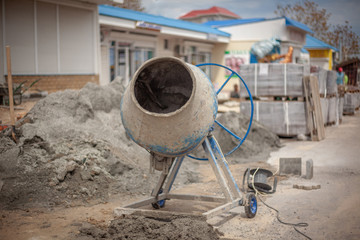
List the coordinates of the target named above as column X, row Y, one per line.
column 321, row 75
column 332, row 98
column 278, row 89
column 314, row 119
column 285, row 118
column 351, row 100
column 341, row 94
column 273, row 79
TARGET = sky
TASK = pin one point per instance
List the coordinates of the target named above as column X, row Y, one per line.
column 341, row 10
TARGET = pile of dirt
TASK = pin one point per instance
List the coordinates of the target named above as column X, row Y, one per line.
column 73, row 150
column 256, row 147
column 260, row 139
column 142, row 227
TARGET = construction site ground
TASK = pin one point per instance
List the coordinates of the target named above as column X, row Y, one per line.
column 331, row 212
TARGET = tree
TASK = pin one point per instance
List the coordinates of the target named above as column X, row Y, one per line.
column 308, row 14
column 133, row 5
column 347, row 41
column 339, row 36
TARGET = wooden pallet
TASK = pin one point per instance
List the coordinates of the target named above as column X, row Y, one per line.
column 314, row 118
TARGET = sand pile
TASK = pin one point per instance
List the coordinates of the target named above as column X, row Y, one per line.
column 142, row 228
column 73, row 150
column 257, row 146
column 260, row 140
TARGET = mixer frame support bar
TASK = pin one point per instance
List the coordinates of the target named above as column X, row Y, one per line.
column 233, row 196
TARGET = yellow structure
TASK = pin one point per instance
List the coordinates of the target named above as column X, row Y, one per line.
column 325, row 56
column 321, row 53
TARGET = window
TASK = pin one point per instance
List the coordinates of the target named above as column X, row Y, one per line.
column 196, row 57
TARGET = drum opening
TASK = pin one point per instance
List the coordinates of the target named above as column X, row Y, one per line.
column 163, row 86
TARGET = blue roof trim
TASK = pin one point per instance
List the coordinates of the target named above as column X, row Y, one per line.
column 314, row 43
column 163, row 21
column 293, row 23
column 303, row 50
column 288, row 22
column 232, row 22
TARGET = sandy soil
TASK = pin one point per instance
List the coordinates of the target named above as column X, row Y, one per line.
column 20, row 111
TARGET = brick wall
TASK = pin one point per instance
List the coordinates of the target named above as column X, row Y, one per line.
column 54, row 83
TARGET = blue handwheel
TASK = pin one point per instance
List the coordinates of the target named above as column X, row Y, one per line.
column 241, row 140
column 251, row 205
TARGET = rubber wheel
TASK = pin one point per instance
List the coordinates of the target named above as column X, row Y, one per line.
column 159, row 204
column 251, row 206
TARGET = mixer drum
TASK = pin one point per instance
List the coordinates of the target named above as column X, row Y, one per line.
column 169, row 106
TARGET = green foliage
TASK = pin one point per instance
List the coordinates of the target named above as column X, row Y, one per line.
column 21, row 89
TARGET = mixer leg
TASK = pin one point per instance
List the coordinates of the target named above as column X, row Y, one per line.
column 221, row 169
column 173, row 173
column 169, row 177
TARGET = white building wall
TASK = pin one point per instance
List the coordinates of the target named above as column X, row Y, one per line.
column 47, row 40
column 2, row 46
column 19, row 34
column 47, row 37
column 76, row 40
column 257, row 31
column 160, row 49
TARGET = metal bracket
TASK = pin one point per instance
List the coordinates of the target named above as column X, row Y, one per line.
column 233, row 196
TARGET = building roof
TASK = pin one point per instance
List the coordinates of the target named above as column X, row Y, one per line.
column 314, row 43
column 303, row 50
column 98, row 2
column 227, row 23
column 211, row 11
column 159, row 20
column 232, row 22
column 293, row 23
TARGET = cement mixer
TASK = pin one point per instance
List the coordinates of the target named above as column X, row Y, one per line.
column 170, row 108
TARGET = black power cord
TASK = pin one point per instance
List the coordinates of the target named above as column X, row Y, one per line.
column 301, row 224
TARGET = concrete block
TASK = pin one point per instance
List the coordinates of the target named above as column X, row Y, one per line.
column 309, row 169
column 290, row 166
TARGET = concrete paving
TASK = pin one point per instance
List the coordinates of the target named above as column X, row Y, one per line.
column 340, row 148
column 332, row 211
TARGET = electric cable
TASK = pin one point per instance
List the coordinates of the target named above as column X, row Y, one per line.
column 301, row 224
column 294, row 225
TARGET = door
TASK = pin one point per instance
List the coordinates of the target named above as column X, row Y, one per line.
column 119, row 60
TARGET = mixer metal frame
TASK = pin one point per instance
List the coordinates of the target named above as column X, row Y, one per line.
column 233, row 197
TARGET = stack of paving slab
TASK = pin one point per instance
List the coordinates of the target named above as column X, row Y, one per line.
column 331, row 100
column 351, row 100
column 273, row 79
column 278, row 90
